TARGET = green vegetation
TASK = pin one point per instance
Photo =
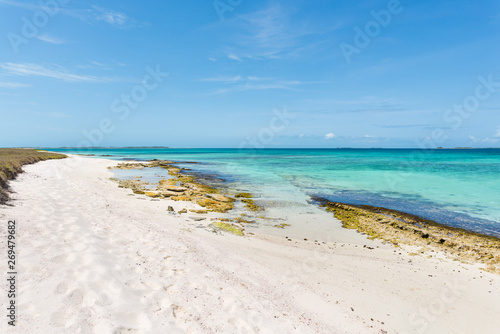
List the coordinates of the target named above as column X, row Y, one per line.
column 250, row 204
column 244, row 195
column 13, row 159
column 229, row 227
column 243, row 221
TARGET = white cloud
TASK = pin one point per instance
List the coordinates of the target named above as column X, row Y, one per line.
column 484, row 140
column 329, row 136
column 212, row 59
column 233, row 57
column 223, row 79
column 274, row 32
column 19, row 4
column 239, row 83
column 114, row 18
column 498, row 132
column 54, row 71
column 12, row 85
column 53, row 114
column 95, row 13
column 49, row 39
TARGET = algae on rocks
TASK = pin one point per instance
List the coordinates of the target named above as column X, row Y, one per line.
column 401, row 228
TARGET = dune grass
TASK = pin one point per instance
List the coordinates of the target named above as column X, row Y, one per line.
column 13, row 159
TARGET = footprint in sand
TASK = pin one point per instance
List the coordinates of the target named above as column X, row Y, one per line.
column 58, row 319
column 79, row 246
column 134, row 321
column 76, row 297
column 104, row 300
column 60, row 258
column 62, row 288
column 171, row 289
column 179, row 272
column 241, row 325
column 124, row 330
column 179, row 311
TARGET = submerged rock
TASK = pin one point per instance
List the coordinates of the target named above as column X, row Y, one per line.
column 220, row 198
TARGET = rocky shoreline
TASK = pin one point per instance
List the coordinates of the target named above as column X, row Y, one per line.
column 395, row 227
column 181, row 186
column 400, row 228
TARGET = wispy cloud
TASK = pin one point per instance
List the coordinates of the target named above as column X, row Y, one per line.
column 483, row 140
column 12, row 85
column 498, row 132
column 54, row 114
column 233, row 57
column 274, row 32
column 115, row 18
column 50, row 39
column 93, row 64
column 239, row 83
column 89, row 15
column 224, row 79
column 20, row 4
column 53, row 71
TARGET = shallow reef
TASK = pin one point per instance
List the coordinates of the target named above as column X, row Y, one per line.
column 180, row 187
column 251, row 205
column 401, row 228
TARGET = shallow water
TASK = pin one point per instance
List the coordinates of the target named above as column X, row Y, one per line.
column 151, row 176
column 454, row 187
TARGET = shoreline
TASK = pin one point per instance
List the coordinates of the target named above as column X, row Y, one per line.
column 393, row 226
column 397, row 227
column 91, row 248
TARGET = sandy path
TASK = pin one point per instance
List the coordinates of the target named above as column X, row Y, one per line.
column 95, row 260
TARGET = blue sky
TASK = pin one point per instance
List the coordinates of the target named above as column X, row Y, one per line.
column 340, row 73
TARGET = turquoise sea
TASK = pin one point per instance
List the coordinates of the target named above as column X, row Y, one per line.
column 454, row 187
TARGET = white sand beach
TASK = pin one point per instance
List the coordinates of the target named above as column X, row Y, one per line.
column 95, row 259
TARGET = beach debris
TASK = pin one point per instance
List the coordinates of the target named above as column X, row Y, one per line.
column 183, row 211
column 170, row 209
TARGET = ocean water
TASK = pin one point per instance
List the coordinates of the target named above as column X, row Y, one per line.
column 455, row 187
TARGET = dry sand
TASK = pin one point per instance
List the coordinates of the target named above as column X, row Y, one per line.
column 94, row 259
